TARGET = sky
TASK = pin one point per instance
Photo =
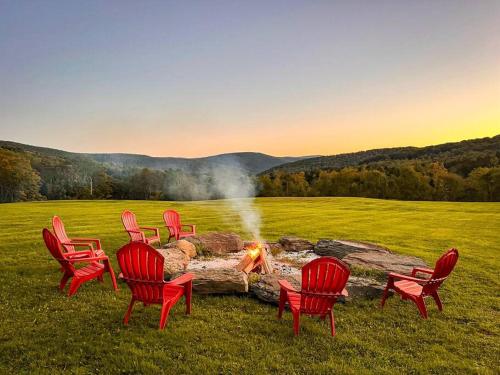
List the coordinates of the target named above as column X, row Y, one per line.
column 197, row 78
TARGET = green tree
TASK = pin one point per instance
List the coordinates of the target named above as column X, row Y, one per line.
column 102, row 185
column 146, row 184
column 18, row 180
column 483, row 184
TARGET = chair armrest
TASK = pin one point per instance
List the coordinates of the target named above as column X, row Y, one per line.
column 193, row 226
column 393, row 275
column 80, row 244
column 88, row 260
column 156, row 230
column 174, row 286
column 87, row 253
column 181, row 279
column 95, row 240
column 284, row 284
column 422, row 270
column 137, row 231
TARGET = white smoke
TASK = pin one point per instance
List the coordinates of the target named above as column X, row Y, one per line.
column 228, row 181
column 235, row 185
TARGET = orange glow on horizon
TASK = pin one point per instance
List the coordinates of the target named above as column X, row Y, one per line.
column 450, row 112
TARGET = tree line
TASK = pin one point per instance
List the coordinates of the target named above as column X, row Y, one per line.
column 404, row 180
column 28, row 176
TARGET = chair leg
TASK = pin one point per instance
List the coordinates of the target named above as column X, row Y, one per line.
column 73, row 288
column 435, row 295
column 421, row 307
column 129, row 312
column 111, row 274
column 64, row 280
column 386, row 293
column 165, row 310
column 282, row 303
column 296, row 323
column 188, row 290
column 332, row 322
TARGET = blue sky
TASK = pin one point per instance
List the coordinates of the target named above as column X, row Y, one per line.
column 192, row 78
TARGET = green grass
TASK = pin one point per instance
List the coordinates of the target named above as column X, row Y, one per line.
column 43, row 331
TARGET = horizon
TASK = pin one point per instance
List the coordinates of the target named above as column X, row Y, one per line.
column 243, row 152
column 287, row 78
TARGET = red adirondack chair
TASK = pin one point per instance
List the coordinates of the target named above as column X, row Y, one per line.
column 323, row 282
column 135, row 232
column 416, row 289
column 70, row 244
column 95, row 269
column 142, row 270
column 173, row 223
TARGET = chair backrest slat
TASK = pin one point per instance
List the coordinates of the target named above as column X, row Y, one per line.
column 55, row 249
column 323, row 280
column 443, row 268
column 130, row 223
column 142, row 270
column 173, row 220
column 60, row 232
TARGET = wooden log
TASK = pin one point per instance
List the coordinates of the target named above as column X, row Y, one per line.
column 266, row 266
column 246, row 264
column 249, row 264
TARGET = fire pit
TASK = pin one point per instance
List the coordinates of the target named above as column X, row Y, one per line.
column 255, row 259
column 225, row 264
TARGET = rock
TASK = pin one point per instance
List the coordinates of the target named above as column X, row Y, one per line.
column 295, row 244
column 267, row 288
column 217, row 243
column 275, row 247
column 175, row 261
column 386, row 262
column 339, row 249
column 297, row 259
column 185, row 246
column 369, row 256
column 219, row 281
column 361, row 287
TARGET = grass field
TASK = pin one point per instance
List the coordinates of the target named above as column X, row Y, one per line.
column 43, row 331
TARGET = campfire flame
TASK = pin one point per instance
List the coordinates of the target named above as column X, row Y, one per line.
column 254, row 250
column 255, row 259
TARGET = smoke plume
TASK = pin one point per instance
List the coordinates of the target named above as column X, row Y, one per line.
column 229, row 181
column 234, row 184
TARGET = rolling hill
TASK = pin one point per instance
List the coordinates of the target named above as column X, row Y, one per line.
column 447, row 152
column 253, row 162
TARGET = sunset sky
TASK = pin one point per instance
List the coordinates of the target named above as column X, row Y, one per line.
column 196, row 78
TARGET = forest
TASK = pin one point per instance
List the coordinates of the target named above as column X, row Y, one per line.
column 468, row 171
column 404, row 180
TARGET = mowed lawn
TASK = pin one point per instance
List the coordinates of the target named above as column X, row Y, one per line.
column 42, row 331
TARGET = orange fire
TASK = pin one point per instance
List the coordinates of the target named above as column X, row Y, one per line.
column 254, row 249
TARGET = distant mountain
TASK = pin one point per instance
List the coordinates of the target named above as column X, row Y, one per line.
column 253, row 162
column 449, row 153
